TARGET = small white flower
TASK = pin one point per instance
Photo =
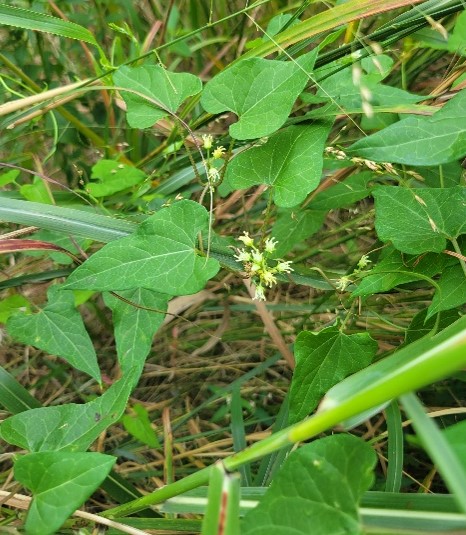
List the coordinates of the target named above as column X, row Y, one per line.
column 243, row 256
column 207, row 141
column 270, row 244
column 214, row 175
column 268, row 278
column 218, row 152
column 284, row 267
column 364, row 261
column 246, row 239
column 260, row 295
column 257, row 257
column 342, row 283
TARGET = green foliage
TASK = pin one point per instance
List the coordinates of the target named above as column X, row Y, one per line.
column 58, row 329
column 118, row 170
column 161, row 256
column 433, row 140
column 261, row 92
column 152, row 93
column 322, row 360
column 288, row 161
column 60, row 481
column 319, row 485
column 70, row 427
column 420, row 220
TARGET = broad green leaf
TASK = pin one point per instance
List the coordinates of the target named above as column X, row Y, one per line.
column 322, row 360
column 342, row 91
column 111, row 176
column 11, row 304
column 13, row 396
column 261, row 92
column 294, row 226
column 59, row 330
column 456, row 437
column 69, row 427
column 60, row 482
column 161, row 256
column 451, row 292
column 31, row 20
column 456, row 42
column 135, row 327
column 290, row 161
column 433, row 140
column 317, row 490
column 151, row 92
column 420, row 327
column 411, row 367
column 397, row 268
column 138, row 424
column 345, row 193
column 419, row 220
column 222, row 511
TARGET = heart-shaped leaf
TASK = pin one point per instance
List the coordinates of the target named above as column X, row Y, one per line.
column 291, row 161
column 135, row 327
column 419, row 220
column 69, row 427
column 317, row 490
column 415, row 140
column 151, row 91
column 261, row 92
column 59, row 330
column 60, row 482
column 161, row 256
column 322, row 360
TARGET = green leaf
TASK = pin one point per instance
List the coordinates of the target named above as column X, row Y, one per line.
column 341, row 89
column 456, row 437
column 294, row 226
column 345, row 193
column 31, row 20
column 69, row 427
column 13, row 396
column 138, row 424
column 9, row 305
column 153, row 92
column 451, row 292
column 74, row 245
column 161, row 256
column 59, row 330
column 322, row 360
column 261, row 92
column 112, row 177
column 419, row 220
column 397, row 268
column 60, row 482
column 420, row 327
column 135, row 327
column 290, row 161
column 433, row 140
column 317, row 490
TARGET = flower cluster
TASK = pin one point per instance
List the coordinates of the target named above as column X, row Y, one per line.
column 342, row 283
column 379, row 168
column 213, row 171
column 255, row 261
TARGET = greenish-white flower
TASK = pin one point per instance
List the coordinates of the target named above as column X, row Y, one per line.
column 243, row 256
column 270, row 244
column 260, row 295
column 268, row 278
column 246, row 239
column 207, row 141
column 284, row 267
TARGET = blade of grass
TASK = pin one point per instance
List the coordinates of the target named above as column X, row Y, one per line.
column 395, row 447
column 438, row 448
column 14, row 397
column 238, row 432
